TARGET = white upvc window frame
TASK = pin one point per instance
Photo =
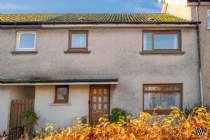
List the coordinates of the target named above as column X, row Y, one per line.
column 19, row 33
column 208, row 22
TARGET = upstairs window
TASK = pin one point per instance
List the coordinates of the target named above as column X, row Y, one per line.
column 26, row 41
column 78, row 41
column 61, row 94
column 162, row 96
column 161, row 41
column 209, row 19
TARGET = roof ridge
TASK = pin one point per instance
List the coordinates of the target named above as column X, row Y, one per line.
column 81, row 13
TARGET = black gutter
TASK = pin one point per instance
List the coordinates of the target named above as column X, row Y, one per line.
column 198, row 34
column 86, row 22
column 199, row 1
column 199, row 52
column 56, row 81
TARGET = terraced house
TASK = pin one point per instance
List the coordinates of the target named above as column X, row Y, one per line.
column 69, row 65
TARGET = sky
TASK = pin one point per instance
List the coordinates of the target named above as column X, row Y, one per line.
column 79, row 6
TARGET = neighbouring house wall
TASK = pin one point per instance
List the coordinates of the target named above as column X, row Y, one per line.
column 7, row 94
column 179, row 10
column 190, row 12
column 205, row 50
column 62, row 115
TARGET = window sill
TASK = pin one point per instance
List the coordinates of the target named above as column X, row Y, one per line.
column 77, row 51
column 24, row 52
column 60, row 104
column 162, row 53
column 158, row 111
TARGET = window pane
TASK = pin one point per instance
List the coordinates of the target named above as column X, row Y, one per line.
column 27, row 41
column 162, row 100
column 62, row 93
column 209, row 19
column 78, row 40
column 147, row 41
column 166, row 41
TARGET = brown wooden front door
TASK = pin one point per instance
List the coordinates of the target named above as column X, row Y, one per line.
column 99, row 104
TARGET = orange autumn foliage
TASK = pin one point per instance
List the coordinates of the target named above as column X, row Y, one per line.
column 175, row 126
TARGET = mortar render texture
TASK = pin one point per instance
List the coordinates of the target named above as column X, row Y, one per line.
column 7, row 94
column 114, row 51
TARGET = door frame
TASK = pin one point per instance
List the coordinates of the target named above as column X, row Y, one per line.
column 89, row 102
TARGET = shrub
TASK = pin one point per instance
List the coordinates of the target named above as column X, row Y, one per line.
column 188, row 110
column 30, row 119
column 175, row 126
column 117, row 115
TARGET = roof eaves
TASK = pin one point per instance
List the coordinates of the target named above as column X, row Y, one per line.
column 13, row 81
column 57, row 23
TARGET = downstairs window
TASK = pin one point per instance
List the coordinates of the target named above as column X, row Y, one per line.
column 162, row 96
column 61, row 94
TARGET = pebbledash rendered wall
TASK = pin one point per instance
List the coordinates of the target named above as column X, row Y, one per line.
column 114, row 51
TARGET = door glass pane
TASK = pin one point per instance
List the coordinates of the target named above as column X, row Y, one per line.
column 99, row 106
column 94, row 91
column 94, row 98
column 99, row 98
column 166, row 41
column 94, row 106
column 105, row 99
column 99, row 91
column 106, row 92
column 105, row 106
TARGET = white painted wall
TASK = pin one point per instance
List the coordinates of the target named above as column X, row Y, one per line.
column 4, row 109
column 7, row 94
column 62, row 115
column 178, row 2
